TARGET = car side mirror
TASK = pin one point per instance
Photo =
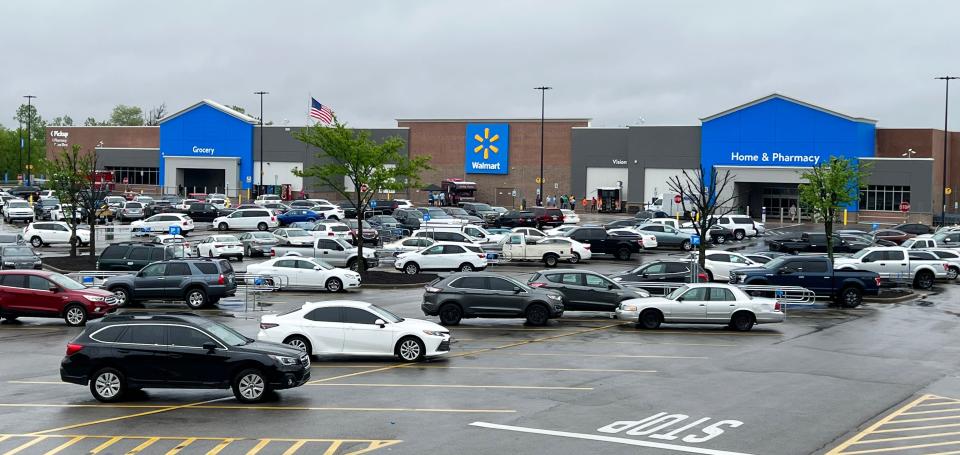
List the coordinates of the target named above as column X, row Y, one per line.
column 611, row 287
column 210, row 347
column 54, row 289
column 516, row 290
column 679, row 299
column 317, row 268
column 865, row 260
column 381, row 323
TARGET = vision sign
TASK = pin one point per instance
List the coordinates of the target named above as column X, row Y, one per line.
column 487, row 148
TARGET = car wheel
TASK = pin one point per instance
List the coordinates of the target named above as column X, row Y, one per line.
column 550, row 260
column 466, row 267
column 223, row 226
column 851, row 297
column 410, row 349
column 352, row 264
column 623, row 254
column 108, row 385
column 649, row 319
column 411, row 268
column 334, row 285
column 210, row 254
column 300, row 343
column 924, row 280
column 537, row 315
column 575, row 259
column 739, row 235
column 686, row 246
column 742, row 321
column 953, row 273
column 75, row 315
column 720, row 239
column 196, row 298
column 262, row 226
column 240, row 258
column 122, row 295
column 450, row 314
column 246, row 252
column 37, row 242
column 250, row 386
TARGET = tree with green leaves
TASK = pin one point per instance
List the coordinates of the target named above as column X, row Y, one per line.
column 830, row 186
column 65, row 120
column 358, row 168
column 709, row 199
column 124, row 115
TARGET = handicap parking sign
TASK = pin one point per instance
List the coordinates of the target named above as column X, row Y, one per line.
column 426, row 217
column 373, row 204
column 146, row 229
column 174, row 230
column 694, row 240
column 875, row 226
column 88, row 280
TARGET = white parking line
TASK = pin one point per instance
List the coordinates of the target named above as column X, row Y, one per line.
column 596, row 437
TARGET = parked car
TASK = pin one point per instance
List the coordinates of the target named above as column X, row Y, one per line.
column 625, row 223
column 438, row 217
column 331, row 229
column 844, row 285
column 719, row 263
column 891, row 235
column 385, row 222
column 947, row 239
column 763, row 257
column 409, row 218
column 364, row 330
column 329, row 211
column 488, row 295
column 334, row 251
column 128, row 352
column 26, row 192
column 914, row 228
column 570, row 217
column 646, row 215
column 163, row 222
column 462, row 214
column 442, row 256
column 445, row 236
column 529, row 232
column 257, row 243
column 306, row 273
column 39, row 293
column 559, row 231
column 295, row 215
column 742, row 226
column 11, row 238
column 894, row 263
column 702, row 303
column 951, row 256
column 19, row 257
column 197, row 282
column 584, row 290
column 668, row 236
column 259, row 219
column 578, row 251
column 204, row 212
column 177, row 241
column 404, row 246
column 131, row 210
column 366, row 232
column 134, row 256
column 65, row 212
column 50, row 232
column 481, row 210
column 293, row 236
column 277, row 208
column 267, row 198
column 811, row 242
column 43, row 207
column 516, row 218
column 220, row 246
column 18, row 210
column 662, row 272
column 601, row 242
column 518, row 247
column 547, row 217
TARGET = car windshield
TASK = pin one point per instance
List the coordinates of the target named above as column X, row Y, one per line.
column 261, row 235
column 388, row 220
column 775, row 263
column 225, row 239
column 323, row 265
column 456, row 211
column 384, row 314
column 677, row 292
column 65, row 282
column 228, row 335
column 297, row 233
column 17, row 251
column 438, row 213
column 19, row 204
column 134, row 205
column 343, row 243
column 861, row 253
column 339, row 228
column 484, row 207
column 49, row 202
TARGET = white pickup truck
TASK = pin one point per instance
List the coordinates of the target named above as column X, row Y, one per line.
column 938, row 240
column 895, row 263
column 517, row 247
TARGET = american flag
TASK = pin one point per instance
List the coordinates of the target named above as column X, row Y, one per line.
column 321, row 112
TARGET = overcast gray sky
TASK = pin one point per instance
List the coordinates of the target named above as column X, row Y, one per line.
column 667, row 62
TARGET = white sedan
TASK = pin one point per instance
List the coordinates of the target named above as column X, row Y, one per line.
column 581, row 251
column 702, row 303
column 405, row 246
column 294, row 236
column 570, row 217
column 163, row 221
column 220, row 246
column 306, row 273
column 443, row 256
column 719, row 263
column 349, row 327
column 558, row 231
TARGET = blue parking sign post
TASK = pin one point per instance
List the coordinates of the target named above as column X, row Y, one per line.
column 174, row 230
column 695, row 240
column 426, row 217
column 88, row 281
column 875, row 226
column 373, row 204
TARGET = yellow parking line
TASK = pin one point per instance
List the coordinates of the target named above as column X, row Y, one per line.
column 332, row 449
column 902, row 448
column 927, row 427
column 140, row 414
column 143, row 445
column 260, row 445
column 925, row 419
column 223, row 445
column 60, row 447
column 452, row 386
column 181, row 446
column 934, row 411
column 373, row 445
column 906, row 438
column 941, row 403
column 255, row 408
column 106, row 444
column 843, row 446
column 626, row 356
column 294, row 448
column 25, row 445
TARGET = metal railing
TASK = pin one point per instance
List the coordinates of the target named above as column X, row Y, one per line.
column 255, row 285
column 95, row 278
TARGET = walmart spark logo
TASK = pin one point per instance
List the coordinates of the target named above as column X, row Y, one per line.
column 486, row 143
column 487, row 148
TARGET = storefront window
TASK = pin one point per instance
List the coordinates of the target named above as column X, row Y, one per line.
column 135, row 175
column 883, row 197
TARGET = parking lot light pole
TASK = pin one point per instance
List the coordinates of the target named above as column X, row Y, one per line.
column 946, row 136
column 543, row 96
column 29, row 127
column 261, row 93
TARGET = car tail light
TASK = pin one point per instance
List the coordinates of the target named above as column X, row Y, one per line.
column 877, row 279
column 73, row 348
column 330, row 233
column 268, row 325
column 481, row 255
column 776, row 306
column 185, row 223
column 432, row 289
column 946, row 267
column 273, row 218
column 273, row 252
column 586, row 246
column 701, row 277
column 221, row 279
column 536, row 285
column 218, row 246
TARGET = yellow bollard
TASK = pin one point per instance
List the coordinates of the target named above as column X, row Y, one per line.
column 678, row 218
column 239, row 199
column 844, row 217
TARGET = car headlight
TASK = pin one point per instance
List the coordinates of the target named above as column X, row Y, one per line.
column 435, row 333
column 284, row 360
column 628, row 307
column 8, row 263
column 554, row 297
column 94, row 298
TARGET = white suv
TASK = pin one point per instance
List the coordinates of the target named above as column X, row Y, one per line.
column 18, row 210
column 330, row 212
column 259, row 219
column 162, row 222
column 719, row 263
column 443, row 256
column 741, row 225
column 267, row 198
column 40, row 234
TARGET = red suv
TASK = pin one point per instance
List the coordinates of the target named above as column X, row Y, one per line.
column 38, row 293
column 545, row 216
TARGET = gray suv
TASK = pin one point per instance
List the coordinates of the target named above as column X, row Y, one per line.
column 585, row 291
column 198, row 282
column 488, row 295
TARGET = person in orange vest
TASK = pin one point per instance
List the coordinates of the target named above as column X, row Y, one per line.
column 594, row 199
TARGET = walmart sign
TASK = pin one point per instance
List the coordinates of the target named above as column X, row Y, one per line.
column 487, row 148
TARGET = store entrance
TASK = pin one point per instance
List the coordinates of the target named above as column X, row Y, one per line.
column 753, row 197
column 204, row 180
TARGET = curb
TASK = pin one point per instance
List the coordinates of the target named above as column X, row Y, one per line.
column 54, row 269
column 901, row 299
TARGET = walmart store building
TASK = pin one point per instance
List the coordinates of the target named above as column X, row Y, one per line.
column 765, row 144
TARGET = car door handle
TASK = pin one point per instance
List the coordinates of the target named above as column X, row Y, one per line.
column 702, row 304
column 129, row 262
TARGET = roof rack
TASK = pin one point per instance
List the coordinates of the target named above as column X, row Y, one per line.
column 146, row 315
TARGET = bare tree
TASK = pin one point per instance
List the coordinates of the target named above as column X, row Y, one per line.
column 704, row 197
column 155, row 114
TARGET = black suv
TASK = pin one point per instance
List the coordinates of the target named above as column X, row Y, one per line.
column 585, row 291
column 128, row 352
column 488, row 295
column 517, row 218
column 135, row 255
column 662, row 272
column 409, row 218
column 199, row 282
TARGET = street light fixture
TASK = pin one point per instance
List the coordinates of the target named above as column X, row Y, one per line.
column 909, row 153
column 29, row 128
column 259, row 189
column 946, row 111
column 543, row 97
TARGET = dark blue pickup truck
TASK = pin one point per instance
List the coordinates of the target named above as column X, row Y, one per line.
column 846, row 287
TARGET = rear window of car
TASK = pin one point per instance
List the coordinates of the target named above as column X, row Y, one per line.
column 554, row 277
column 206, row 268
column 475, row 249
column 139, row 254
column 469, row 282
column 226, row 267
column 114, row 252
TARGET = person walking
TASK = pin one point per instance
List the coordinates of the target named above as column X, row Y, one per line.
column 573, row 202
column 793, row 212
